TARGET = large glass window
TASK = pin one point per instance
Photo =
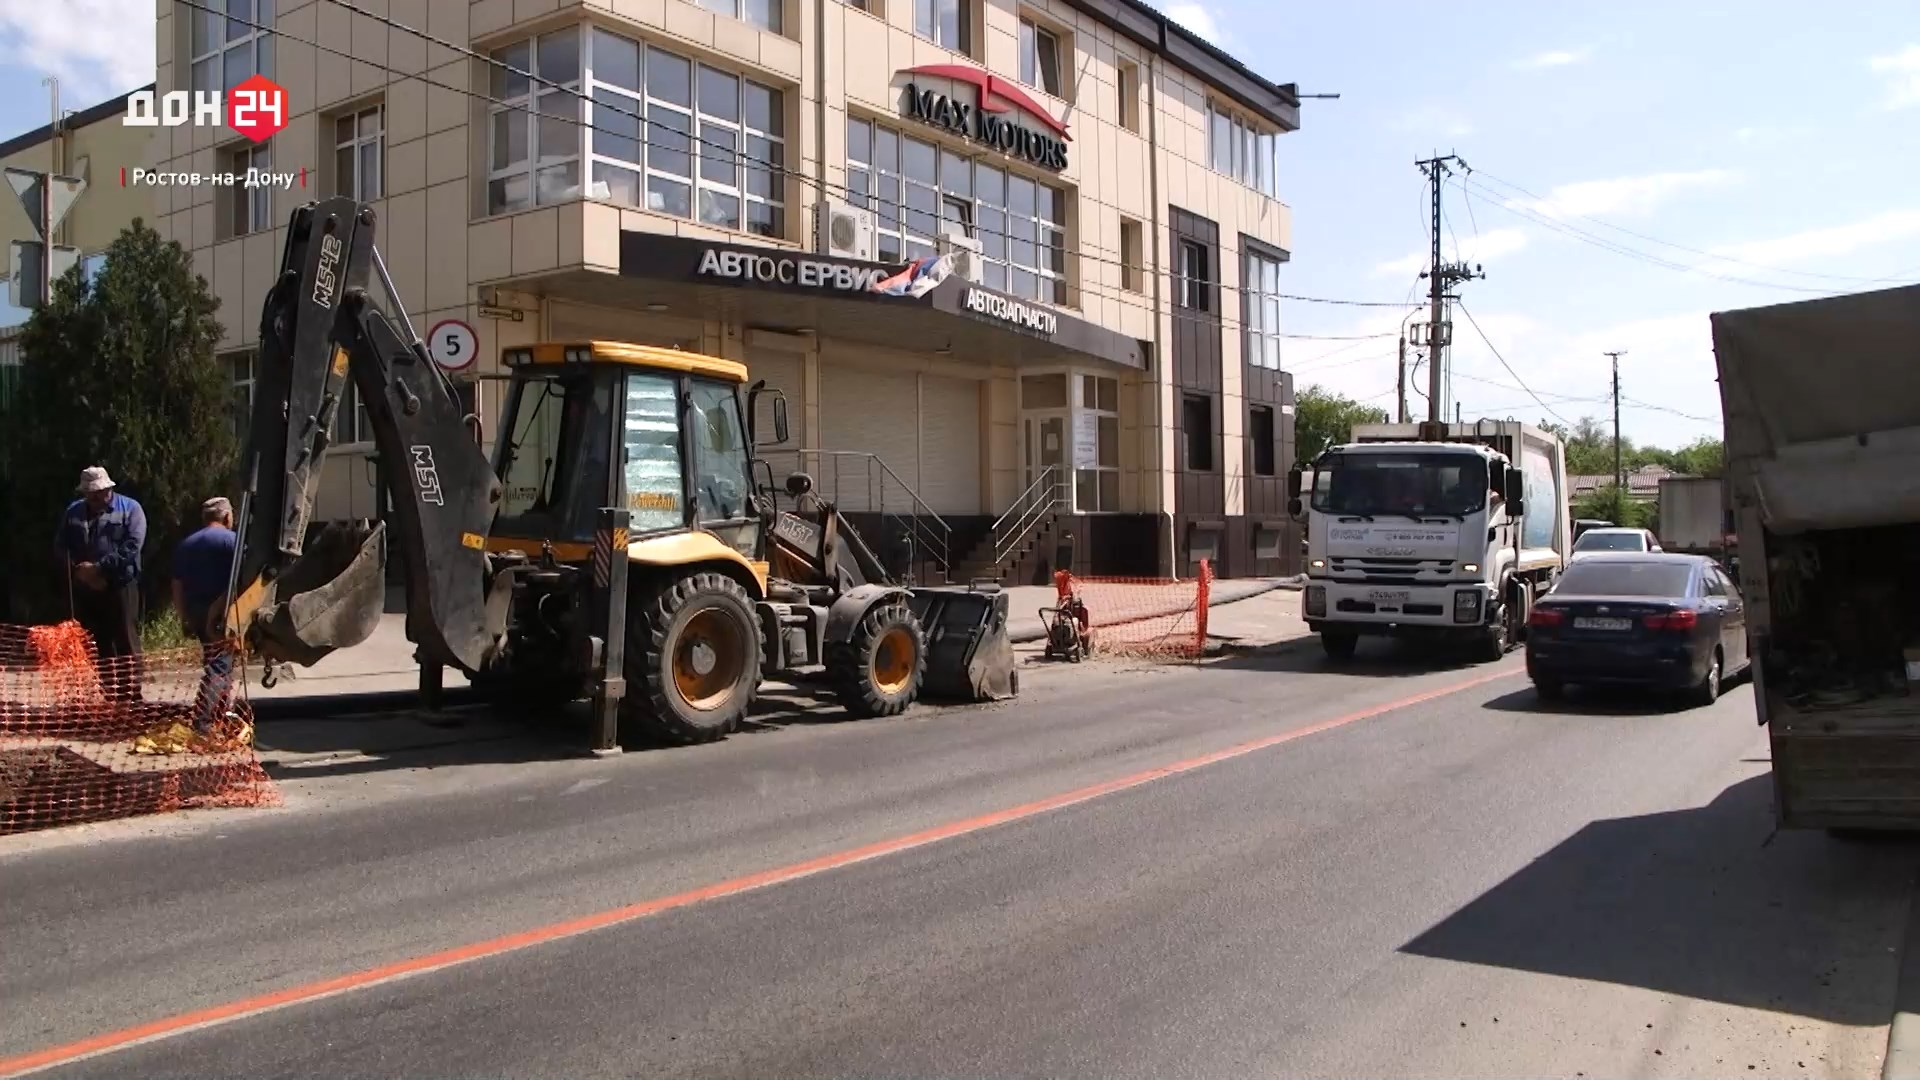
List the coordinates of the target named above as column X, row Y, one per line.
column 764, row 14
column 359, row 146
column 1260, row 310
column 1238, row 148
column 650, row 434
column 947, row 23
column 252, row 207
column 534, row 137
column 1039, row 57
column 720, row 479
column 917, row 191
column 226, row 52
column 1097, row 445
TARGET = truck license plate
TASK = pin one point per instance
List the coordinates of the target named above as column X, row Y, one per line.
column 1602, row 624
column 1384, row 596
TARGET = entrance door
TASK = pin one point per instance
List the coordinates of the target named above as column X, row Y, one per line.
column 1046, row 439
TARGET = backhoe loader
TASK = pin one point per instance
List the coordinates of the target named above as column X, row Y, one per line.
column 615, row 547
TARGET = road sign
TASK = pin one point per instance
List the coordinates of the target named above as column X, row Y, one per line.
column 28, row 270
column 46, row 199
column 453, row 345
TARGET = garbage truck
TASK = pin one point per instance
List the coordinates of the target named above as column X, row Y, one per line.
column 1821, row 400
column 1433, row 530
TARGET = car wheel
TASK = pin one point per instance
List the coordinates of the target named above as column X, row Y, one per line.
column 1549, row 689
column 1707, row 690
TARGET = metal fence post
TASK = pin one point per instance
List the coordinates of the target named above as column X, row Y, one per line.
column 610, row 623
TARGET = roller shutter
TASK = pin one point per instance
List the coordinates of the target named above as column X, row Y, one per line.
column 950, row 445
column 876, row 412
column 783, row 371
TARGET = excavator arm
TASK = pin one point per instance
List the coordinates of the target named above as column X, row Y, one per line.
column 296, row 598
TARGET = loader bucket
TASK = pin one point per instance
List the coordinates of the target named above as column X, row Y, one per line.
column 969, row 656
column 330, row 598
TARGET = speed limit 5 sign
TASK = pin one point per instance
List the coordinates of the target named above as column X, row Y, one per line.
column 453, row 345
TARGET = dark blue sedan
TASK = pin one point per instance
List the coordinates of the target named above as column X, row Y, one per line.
column 1643, row 619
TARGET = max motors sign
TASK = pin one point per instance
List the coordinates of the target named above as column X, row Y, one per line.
column 983, row 121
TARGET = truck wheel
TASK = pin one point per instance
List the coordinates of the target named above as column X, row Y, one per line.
column 1707, row 690
column 1496, row 638
column 693, row 660
column 878, row 672
column 1339, row 644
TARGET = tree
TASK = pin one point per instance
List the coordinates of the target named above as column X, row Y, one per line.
column 1703, row 457
column 1608, row 503
column 1322, row 418
column 117, row 372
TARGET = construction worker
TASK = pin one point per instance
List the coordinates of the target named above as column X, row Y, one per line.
column 202, row 567
column 100, row 540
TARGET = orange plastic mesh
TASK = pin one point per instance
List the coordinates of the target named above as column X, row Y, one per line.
column 1159, row 618
column 84, row 739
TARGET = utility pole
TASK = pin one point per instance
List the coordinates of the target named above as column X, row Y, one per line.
column 1402, row 416
column 1619, row 477
column 1442, row 277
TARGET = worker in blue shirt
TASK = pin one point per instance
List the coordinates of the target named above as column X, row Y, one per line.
column 202, row 569
column 100, row 540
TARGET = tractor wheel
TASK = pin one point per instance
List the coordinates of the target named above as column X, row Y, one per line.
column 878, row 673
column 693, row 660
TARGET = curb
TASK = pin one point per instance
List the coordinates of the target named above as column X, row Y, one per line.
column 1902, row 1060
column 1027, row 637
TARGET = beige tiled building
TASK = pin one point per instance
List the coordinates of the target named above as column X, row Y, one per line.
column 734, row 177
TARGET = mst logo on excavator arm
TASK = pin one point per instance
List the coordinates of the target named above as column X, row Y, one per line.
column 426, row 476
column 326, row 277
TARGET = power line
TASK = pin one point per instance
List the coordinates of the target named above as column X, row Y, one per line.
column 1698, row 251
column 1503, row 363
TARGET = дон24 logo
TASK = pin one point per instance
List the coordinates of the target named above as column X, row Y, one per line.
column 256, row 108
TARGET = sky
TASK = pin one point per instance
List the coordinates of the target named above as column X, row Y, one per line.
column 1628, row 169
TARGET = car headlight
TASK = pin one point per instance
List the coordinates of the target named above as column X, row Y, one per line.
column 1466, row 607
column 1471, row 568
column 1316, row 600
column 1318, row 564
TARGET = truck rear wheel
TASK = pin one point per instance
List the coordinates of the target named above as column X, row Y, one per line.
column 879, row 671
column 693, row 660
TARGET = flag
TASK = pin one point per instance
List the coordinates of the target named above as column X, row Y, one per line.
column 917, row 278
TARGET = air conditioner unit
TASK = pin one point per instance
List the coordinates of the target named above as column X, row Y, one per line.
column 843, row 231
column 966, row 255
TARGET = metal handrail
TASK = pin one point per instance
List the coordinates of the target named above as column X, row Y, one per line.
column 935, row 535
column 1029, row 517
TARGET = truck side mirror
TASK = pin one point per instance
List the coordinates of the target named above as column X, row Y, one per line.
column 1293, row 486
column 1516, row 486
column 1295, row 507
column 1516, row 508
column 779, row 418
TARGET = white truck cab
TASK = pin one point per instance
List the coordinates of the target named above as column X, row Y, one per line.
column 1441, row 530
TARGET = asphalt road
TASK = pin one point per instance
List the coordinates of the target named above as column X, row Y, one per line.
column 1461, row 885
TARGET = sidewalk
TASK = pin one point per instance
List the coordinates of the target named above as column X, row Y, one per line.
column 384, row 662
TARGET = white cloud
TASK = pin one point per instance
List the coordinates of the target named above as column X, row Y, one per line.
column 1551, row 59
column 96, row 48
column 1624, row 195
column 1890, row 227
column 1481, row 247
column 1197, row 18
column 1902, row 73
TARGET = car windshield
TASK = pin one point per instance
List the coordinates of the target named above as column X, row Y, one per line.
column 1662, row 579
column 1405, row 484
column 1610, row 541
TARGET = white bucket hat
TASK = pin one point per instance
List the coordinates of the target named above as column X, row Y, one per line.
column 94, row 479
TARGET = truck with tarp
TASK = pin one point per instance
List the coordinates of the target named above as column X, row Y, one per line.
column 1432, row 530
column 1821, row 400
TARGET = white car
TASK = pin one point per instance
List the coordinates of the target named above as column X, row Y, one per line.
column 1615, row 539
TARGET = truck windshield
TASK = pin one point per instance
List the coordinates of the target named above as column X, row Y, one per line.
column 1405, row 484
column 554, row 463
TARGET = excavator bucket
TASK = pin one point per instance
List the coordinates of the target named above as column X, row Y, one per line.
column 330, row 598
column 969, row 655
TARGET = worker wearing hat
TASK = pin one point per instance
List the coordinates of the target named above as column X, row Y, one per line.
column 202, row 571
column 100, row 540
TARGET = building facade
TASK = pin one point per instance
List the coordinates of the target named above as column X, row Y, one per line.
column 1096, row 382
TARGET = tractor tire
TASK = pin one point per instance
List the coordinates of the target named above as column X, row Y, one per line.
column 693, row 661
column 879, row 671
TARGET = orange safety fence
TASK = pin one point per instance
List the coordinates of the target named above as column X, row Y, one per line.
column 86, row 739
column 1162, row 618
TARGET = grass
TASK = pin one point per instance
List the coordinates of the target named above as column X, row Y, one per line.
column 163, row 630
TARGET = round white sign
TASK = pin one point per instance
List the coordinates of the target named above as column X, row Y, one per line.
column 453, row 345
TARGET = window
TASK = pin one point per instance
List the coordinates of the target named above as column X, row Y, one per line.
column 1260, row 433
column 947, row 23
column 651, row 436
column 226, row 52
column 359, row 143
column 714, row 147
column 1665, row 580
column 1128, row 84
column 1196, row 422
column 350, row 421
column 720, row 453
column 1239, row 149
column 1260, row 310
column 1133, row 258
column 1097, row 428
column 534, row 152
column 1194, row 280
column 240, row 403
column 917, row 191
column 1039, row 57
column 252, row 206
column 764, row 14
